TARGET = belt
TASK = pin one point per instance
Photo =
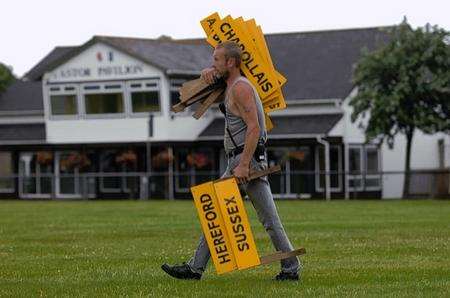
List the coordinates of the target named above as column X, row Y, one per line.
column 235, row 151
column 259, row 152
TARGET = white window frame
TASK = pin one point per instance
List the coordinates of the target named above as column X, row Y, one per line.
column 130, row 89
column 372, row 176
column 104, row 90
column 62, row 91
column 76, row 177
column 361, row 165
column 38, row 193
column 339, row 170
column 363, row 162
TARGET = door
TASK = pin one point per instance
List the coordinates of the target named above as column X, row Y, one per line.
column 35, row 174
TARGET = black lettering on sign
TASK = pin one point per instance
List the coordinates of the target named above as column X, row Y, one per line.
column 235, row 219
column 210, row 215
column 243, row 246
column 225, row 27
column 267, row 86
column 230, row 201
column 218, row 241
column 212, row 225
column 274, row 106
column 247, row 58
column 214, row 229
column 224, row 258
column 238, row 229
column 211, row 22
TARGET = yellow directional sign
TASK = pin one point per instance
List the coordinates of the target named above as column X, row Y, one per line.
column 257, row 64
column 226, row 226
column 236, row 223
column 214, row 228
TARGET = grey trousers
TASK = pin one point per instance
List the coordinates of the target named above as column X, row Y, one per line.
column 259, row 192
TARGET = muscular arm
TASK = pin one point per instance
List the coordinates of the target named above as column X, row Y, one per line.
column 244, row 100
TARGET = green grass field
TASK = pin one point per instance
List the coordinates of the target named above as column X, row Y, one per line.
column 115, row 248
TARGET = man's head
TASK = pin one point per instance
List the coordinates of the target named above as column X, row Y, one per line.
column 227, row 58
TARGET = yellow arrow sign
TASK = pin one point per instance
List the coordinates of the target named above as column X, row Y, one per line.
column 214, row 228
column 236, row 223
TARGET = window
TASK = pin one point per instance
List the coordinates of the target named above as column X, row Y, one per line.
column 144, row 97
column 372, row 179
column 364, row 167
column 64, row 104
column 301, row 165
column 335, row 168
column 174, row 97
column 103, row 99
column 106, row 103
column 63, row 101
column 355, row 167
column 193, row 166
column 6, row 171
column 108, row 164
column 35, row 170
column 145, row 101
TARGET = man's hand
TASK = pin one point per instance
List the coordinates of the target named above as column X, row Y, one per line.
column 242, row 173
column 209, row 75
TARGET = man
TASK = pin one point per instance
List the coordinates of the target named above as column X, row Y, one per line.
column 245, row 135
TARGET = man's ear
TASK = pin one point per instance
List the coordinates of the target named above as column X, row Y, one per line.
column 230, row 62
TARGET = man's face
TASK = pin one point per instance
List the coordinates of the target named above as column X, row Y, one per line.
column 221, row 64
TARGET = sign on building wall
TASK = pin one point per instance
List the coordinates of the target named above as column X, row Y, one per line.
column 101, row 62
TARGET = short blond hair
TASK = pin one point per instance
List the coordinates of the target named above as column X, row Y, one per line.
column 232, row 50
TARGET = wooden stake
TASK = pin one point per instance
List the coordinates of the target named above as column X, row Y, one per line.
column 281, row 256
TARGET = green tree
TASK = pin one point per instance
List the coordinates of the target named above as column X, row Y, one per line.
column 403, row 86
column 6, row 77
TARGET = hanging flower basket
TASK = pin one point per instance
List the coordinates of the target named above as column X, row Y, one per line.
column 44, row 157
column 75, row 160
column 198, row 160
column 162, row 159
column 299, row 155
column 128, row 158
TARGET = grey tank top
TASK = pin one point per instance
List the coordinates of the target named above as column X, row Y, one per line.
column 236, row 125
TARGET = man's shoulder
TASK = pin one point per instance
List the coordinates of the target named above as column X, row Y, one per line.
column 242, row 86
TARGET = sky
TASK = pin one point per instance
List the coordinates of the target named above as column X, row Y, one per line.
column 31, row 29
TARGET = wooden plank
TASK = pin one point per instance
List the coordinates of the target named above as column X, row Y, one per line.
column 282, row 255
column 268, row 171
column 258, row 174
column 201, row 95
column 179, row 107
column 192, row 88
column 208, row 102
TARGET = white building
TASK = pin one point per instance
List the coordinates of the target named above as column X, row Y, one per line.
column 82, row 111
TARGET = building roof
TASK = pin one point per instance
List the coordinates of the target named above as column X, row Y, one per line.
column 318, row 65
column 285, row 126
column 22, row 132
column 42, row 66
column 22, row 96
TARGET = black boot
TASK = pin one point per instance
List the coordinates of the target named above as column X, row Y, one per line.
column 182, row 271
column 286, row 276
